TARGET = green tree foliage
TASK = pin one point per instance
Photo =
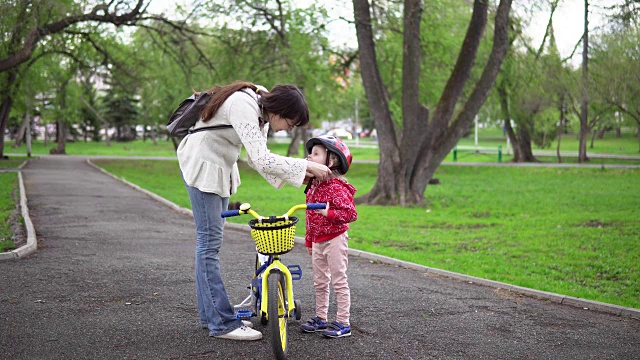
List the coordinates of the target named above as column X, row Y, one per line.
column 265, row 43
column 616, row 70
column 121, row 111
column 34, row 30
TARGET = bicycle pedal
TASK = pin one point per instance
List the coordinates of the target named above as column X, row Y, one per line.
column 244, row 314
column 296, row 271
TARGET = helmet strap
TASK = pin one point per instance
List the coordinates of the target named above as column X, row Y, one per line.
column 306, row 189
column 335, row 167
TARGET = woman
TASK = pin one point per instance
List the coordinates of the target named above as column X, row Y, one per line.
column 208, row 162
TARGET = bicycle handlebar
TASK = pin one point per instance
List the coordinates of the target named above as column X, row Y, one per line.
column 246, row 209
column 316, row 206
column 229, row 213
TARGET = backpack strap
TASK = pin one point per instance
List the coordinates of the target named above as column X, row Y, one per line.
column 259, row 101
column 215, row 127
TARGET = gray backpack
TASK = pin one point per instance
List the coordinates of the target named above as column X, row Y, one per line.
column 187, row 114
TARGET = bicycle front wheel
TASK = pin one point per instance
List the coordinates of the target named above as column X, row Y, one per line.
column 277, row 314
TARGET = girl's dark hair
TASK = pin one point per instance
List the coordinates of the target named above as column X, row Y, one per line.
column 284, row 100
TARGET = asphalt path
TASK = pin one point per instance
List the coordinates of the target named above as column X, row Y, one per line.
column 113, row 279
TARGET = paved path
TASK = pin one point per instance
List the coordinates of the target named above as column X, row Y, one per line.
column 113, row 279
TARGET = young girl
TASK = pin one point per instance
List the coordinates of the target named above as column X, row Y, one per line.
column 326, row 237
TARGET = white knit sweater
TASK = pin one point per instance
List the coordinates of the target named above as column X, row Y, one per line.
column 208, row 159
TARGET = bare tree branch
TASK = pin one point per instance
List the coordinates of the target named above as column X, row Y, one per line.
column 554, row 6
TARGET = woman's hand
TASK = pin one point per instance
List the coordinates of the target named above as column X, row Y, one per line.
column 309, row 250
column 319, row 171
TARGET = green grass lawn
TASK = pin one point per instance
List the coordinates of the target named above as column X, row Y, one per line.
column 132, row 148
column 12, row 163
column 488, row 139
column 627, row 144
column 8, row 183
column 563, row 230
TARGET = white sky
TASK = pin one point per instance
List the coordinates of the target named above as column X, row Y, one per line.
column 568, row 24
column 568, row 21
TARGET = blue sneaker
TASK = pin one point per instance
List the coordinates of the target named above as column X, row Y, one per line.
column 337, row 329
column 314, row 324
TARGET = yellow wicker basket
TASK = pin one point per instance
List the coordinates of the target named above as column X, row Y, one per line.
column 274, row 236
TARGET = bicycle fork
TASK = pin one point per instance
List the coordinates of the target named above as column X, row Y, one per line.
column 277, row 266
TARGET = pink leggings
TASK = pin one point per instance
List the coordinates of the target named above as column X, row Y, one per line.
column 330, row 262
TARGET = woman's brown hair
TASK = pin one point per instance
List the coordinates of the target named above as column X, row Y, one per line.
column 284, row 100
column 219, row 95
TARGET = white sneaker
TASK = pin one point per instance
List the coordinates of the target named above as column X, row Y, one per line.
column 242, row 333
column 247, row 323
column 244, row 322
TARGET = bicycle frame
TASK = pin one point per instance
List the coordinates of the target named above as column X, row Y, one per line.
column 274, row 236
column 276, row 264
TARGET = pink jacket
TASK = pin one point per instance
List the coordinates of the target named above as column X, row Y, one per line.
column 339, row 194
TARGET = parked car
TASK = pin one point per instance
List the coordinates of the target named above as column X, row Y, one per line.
column 316, row 132
column 341, row 133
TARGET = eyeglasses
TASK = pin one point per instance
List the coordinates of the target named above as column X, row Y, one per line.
column 291, row 126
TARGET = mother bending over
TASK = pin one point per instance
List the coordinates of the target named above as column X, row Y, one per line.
column 208, row 162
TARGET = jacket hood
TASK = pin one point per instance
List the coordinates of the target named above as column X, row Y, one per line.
column 348, row 187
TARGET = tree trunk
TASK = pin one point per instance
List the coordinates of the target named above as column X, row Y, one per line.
column 154, row 135
column 584, row 127
column 61, row 138
column 560, row 130
column 506, row 113
column 297, row 136
column 21, row 132
column 61, row 133
column 409, row 160
column 558, row 154
column 525, row 153
column 46, row 135
column 384, row 190
column 5, row 108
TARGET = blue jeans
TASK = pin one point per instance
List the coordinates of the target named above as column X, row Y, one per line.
column 214, row 309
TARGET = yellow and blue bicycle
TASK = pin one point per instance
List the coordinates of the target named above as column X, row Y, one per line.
column 271, row 290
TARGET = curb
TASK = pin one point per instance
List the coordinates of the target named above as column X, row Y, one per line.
column 538, row 294
column 32, row 242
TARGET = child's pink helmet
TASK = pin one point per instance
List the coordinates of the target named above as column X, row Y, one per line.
column 336, row 146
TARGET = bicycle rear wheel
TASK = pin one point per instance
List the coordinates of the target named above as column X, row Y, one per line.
column 277, row 314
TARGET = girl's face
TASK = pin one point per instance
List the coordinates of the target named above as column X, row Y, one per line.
column 318, row 154
column 279, row 123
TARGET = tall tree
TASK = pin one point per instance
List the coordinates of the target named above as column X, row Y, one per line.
column 409, row 159
column 526, row 87
column 584, row 104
